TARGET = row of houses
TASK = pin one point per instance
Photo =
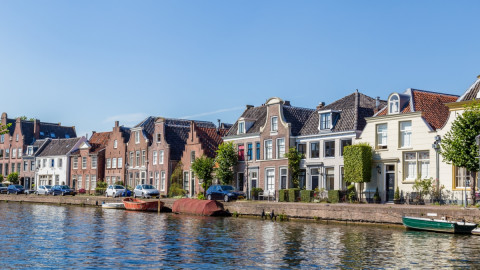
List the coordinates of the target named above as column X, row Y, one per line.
column 403, row 129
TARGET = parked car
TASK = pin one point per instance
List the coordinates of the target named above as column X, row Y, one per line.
column 127, row 193
column 15, row 189
column 115, row 191
column 145, row 191
column 3, row 188
column 43, row 190
column 62, row 190
column 224, row 192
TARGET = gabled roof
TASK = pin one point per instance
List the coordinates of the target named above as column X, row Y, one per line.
column 257, row 114
column 125, row 133
column 352, row 110
column 210, row 139
column 472, row 93
column 176, row 137
column 297, row 117
column 431, row 104
column 59, row 147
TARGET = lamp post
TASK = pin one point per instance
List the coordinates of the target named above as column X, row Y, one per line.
column 436, row 146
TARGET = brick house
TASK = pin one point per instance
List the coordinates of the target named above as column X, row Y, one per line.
column 137, row 151
column 201, row 141
column 262, row 136
column 116, row 154
column 88, row 162
column 21, row 134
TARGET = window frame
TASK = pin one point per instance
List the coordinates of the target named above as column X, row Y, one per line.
column 274, row 124
column 384, row 136
column 268, row 149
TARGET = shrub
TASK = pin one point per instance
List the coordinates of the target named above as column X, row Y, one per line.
column 351, row 193
column 293, row 194
column 176, row 190
column 255, row 191
column 200, row 196
column 82, row 191
column 283, row 195
column 306, row 195
column 13, row 178
column 100, row 191
column 120, row 183
column 358, row 163
column 102, row 184
column 397, row 194
column 333, row 196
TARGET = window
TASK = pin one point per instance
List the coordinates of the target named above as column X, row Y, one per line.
column 143, row 157
column 7, row 153
column 2, row 138
column 274, row 123
column 30, row 150
column 93, row 181
column 16, row 138
column 280, row 148
column 344, row 143
column 75, row 162
column 314, row 150
column 257, row 149
column 325, row 121
column 1, row 153
column 137, row 137
column 302, row 149
column 87, row 182
column 161, row 157
column 137, row 157
column 52, row 162
column 19, row 152
column 241, row 152
column 268, row 149
column 417, row 164
column 52, row 135
column 84, row 162
column 114, row 163
column 159, row 138
column 270, row 179
column 108, row 180
column 32, row 166
column 283, row 178
column 192, row 156
column 382, row 136
column 25, row 166
column 13, row 167
column 162, row 181
column 115, row 144
column 330, row 179
column 14, row 153
column 461, row 175
column 241, row 127
column 342, row 178
column 94, row 162
column 80, row 182
column 254, row 177
column 60, row 163
column 405, row 133
column 109, row 163
column 67, row 136
column 120, row 162
column 185, row 181
column 157, row 180
column 131, row 159
column 155, row 157
column 329, row 149
column 393, row 104
column 249, row 151
column 19, row 166
column 44, row 162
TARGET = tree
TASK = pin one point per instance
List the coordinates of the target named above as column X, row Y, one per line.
column 294, row 158
column 4, row 128
column 13, row 178
column 203, row 169
column 357, row 161
column 458, row 146
column 227, row 157
column 1, row 178
column 176, row 187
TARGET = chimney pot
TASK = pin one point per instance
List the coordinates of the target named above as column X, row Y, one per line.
column 320, row 105
column 116, row 123
column 287, row 103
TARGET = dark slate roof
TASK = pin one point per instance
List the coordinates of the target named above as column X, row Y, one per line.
column 297, row 117
column 148, row 124
column 38, row 145
column 46, row 130
column 176, row 136
column 259, row 114
column 353, row 110
column 148, row 127
column 210, row 138
column 472, row 92
column 58, row 147
column 126, row 133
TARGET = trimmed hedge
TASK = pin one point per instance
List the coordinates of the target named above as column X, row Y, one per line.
column 293, row 194
column 358, row 163
column 306, row 195
column 283, row 195
column 333, row 196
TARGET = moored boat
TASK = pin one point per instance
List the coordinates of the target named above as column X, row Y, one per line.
column 113, row 206
column 438, row 225
column 141, row 205
column 199, row 207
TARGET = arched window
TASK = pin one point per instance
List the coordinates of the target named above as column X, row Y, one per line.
column 393, row 104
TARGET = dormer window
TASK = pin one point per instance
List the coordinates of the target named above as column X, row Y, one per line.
column 393, row 104
column 30, row 150
column 326, row 121
column 241, row 127
column 67, row 136
column 42, row 133
column 52, row 135
column 274, row 123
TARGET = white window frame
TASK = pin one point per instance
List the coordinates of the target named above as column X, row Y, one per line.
column 75, row 163
column 155, row 157
column 280, row 148
column 268, row 153
column 381, row 136
column 115, row 144
column 120, row 162
column 84, row 162
column 114, row 163
column 405, row 134
column 274, row 124
column 137, row 137
column 94, row 162
column 241, row 127
column 161, row 157
column 269, row 186
column 162, row 181
column 325, row 120
column 394, row 105
column 109, row 163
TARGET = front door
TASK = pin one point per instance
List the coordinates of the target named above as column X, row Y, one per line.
column 390, row 182
column 240, row 181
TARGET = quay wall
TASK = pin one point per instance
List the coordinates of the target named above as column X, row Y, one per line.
column 358, row 213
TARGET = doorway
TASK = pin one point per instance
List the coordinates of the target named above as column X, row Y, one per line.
column 240, row 181
column 389, row 182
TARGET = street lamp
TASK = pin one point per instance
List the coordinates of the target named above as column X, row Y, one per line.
column 436, row 146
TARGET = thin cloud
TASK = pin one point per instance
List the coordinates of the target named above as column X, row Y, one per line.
column 126, row 119
column 212, row 112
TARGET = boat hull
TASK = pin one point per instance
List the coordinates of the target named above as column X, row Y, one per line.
column 199, row 207
column 435, row 225
column 113, row 206
column 141, row 205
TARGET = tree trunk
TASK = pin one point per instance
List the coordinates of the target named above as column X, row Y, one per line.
column 473, row 185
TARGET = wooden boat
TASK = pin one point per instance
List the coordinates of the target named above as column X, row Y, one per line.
column 199, row 207
column 438, row 225
column 141, row 205
column 113, row 205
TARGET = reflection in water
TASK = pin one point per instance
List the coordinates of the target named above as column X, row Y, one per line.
column 48, row 236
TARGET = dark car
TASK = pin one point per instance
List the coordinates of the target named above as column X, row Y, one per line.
column 15, row 189
column 127, row 193
column 224, row 192
column 62, row 190
column 3, row 188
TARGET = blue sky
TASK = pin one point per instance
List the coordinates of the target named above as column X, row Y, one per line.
column 89, row 63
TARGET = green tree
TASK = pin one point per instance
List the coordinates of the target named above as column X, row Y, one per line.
column 4, row 128
column 357, row 161
column 13, row 178
column 176, row 186
column 227, row 157
column 294, row 158
column 458, row 146
column 1, row 178
column 203, row 169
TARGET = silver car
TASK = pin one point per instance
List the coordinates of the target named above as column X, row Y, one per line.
column 145, row 191
column 43, row 190
column 115, row 191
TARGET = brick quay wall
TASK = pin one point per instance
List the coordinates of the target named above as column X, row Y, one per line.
column 354, row 213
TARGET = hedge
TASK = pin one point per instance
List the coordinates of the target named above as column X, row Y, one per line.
column 293, row 194
column 333, row 196
column 357, row 160
column 283, row 195
column 306, row 195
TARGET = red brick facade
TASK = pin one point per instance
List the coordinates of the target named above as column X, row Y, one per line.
column 116, row 155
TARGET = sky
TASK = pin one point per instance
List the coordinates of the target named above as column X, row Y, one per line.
column 89, row 63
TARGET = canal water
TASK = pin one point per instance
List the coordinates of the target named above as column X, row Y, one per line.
column 50, row 236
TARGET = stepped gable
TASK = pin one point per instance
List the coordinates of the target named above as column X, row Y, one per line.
column 297, row 117
column 58, row 147
column 126, row 133
column 472, row 93
column 431, row 104
column 176, row 137
column 259, row 114
column 148, row 127
column 210, row 138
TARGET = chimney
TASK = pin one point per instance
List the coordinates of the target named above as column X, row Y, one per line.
column 219, row 124
column 287, row 103
column 116, row 123
column 249, row 106
column 320, row 105
column 377, row 105
column 36, row 129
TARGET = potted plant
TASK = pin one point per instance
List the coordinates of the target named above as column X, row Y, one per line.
column 396, row 196
column 376, row 197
